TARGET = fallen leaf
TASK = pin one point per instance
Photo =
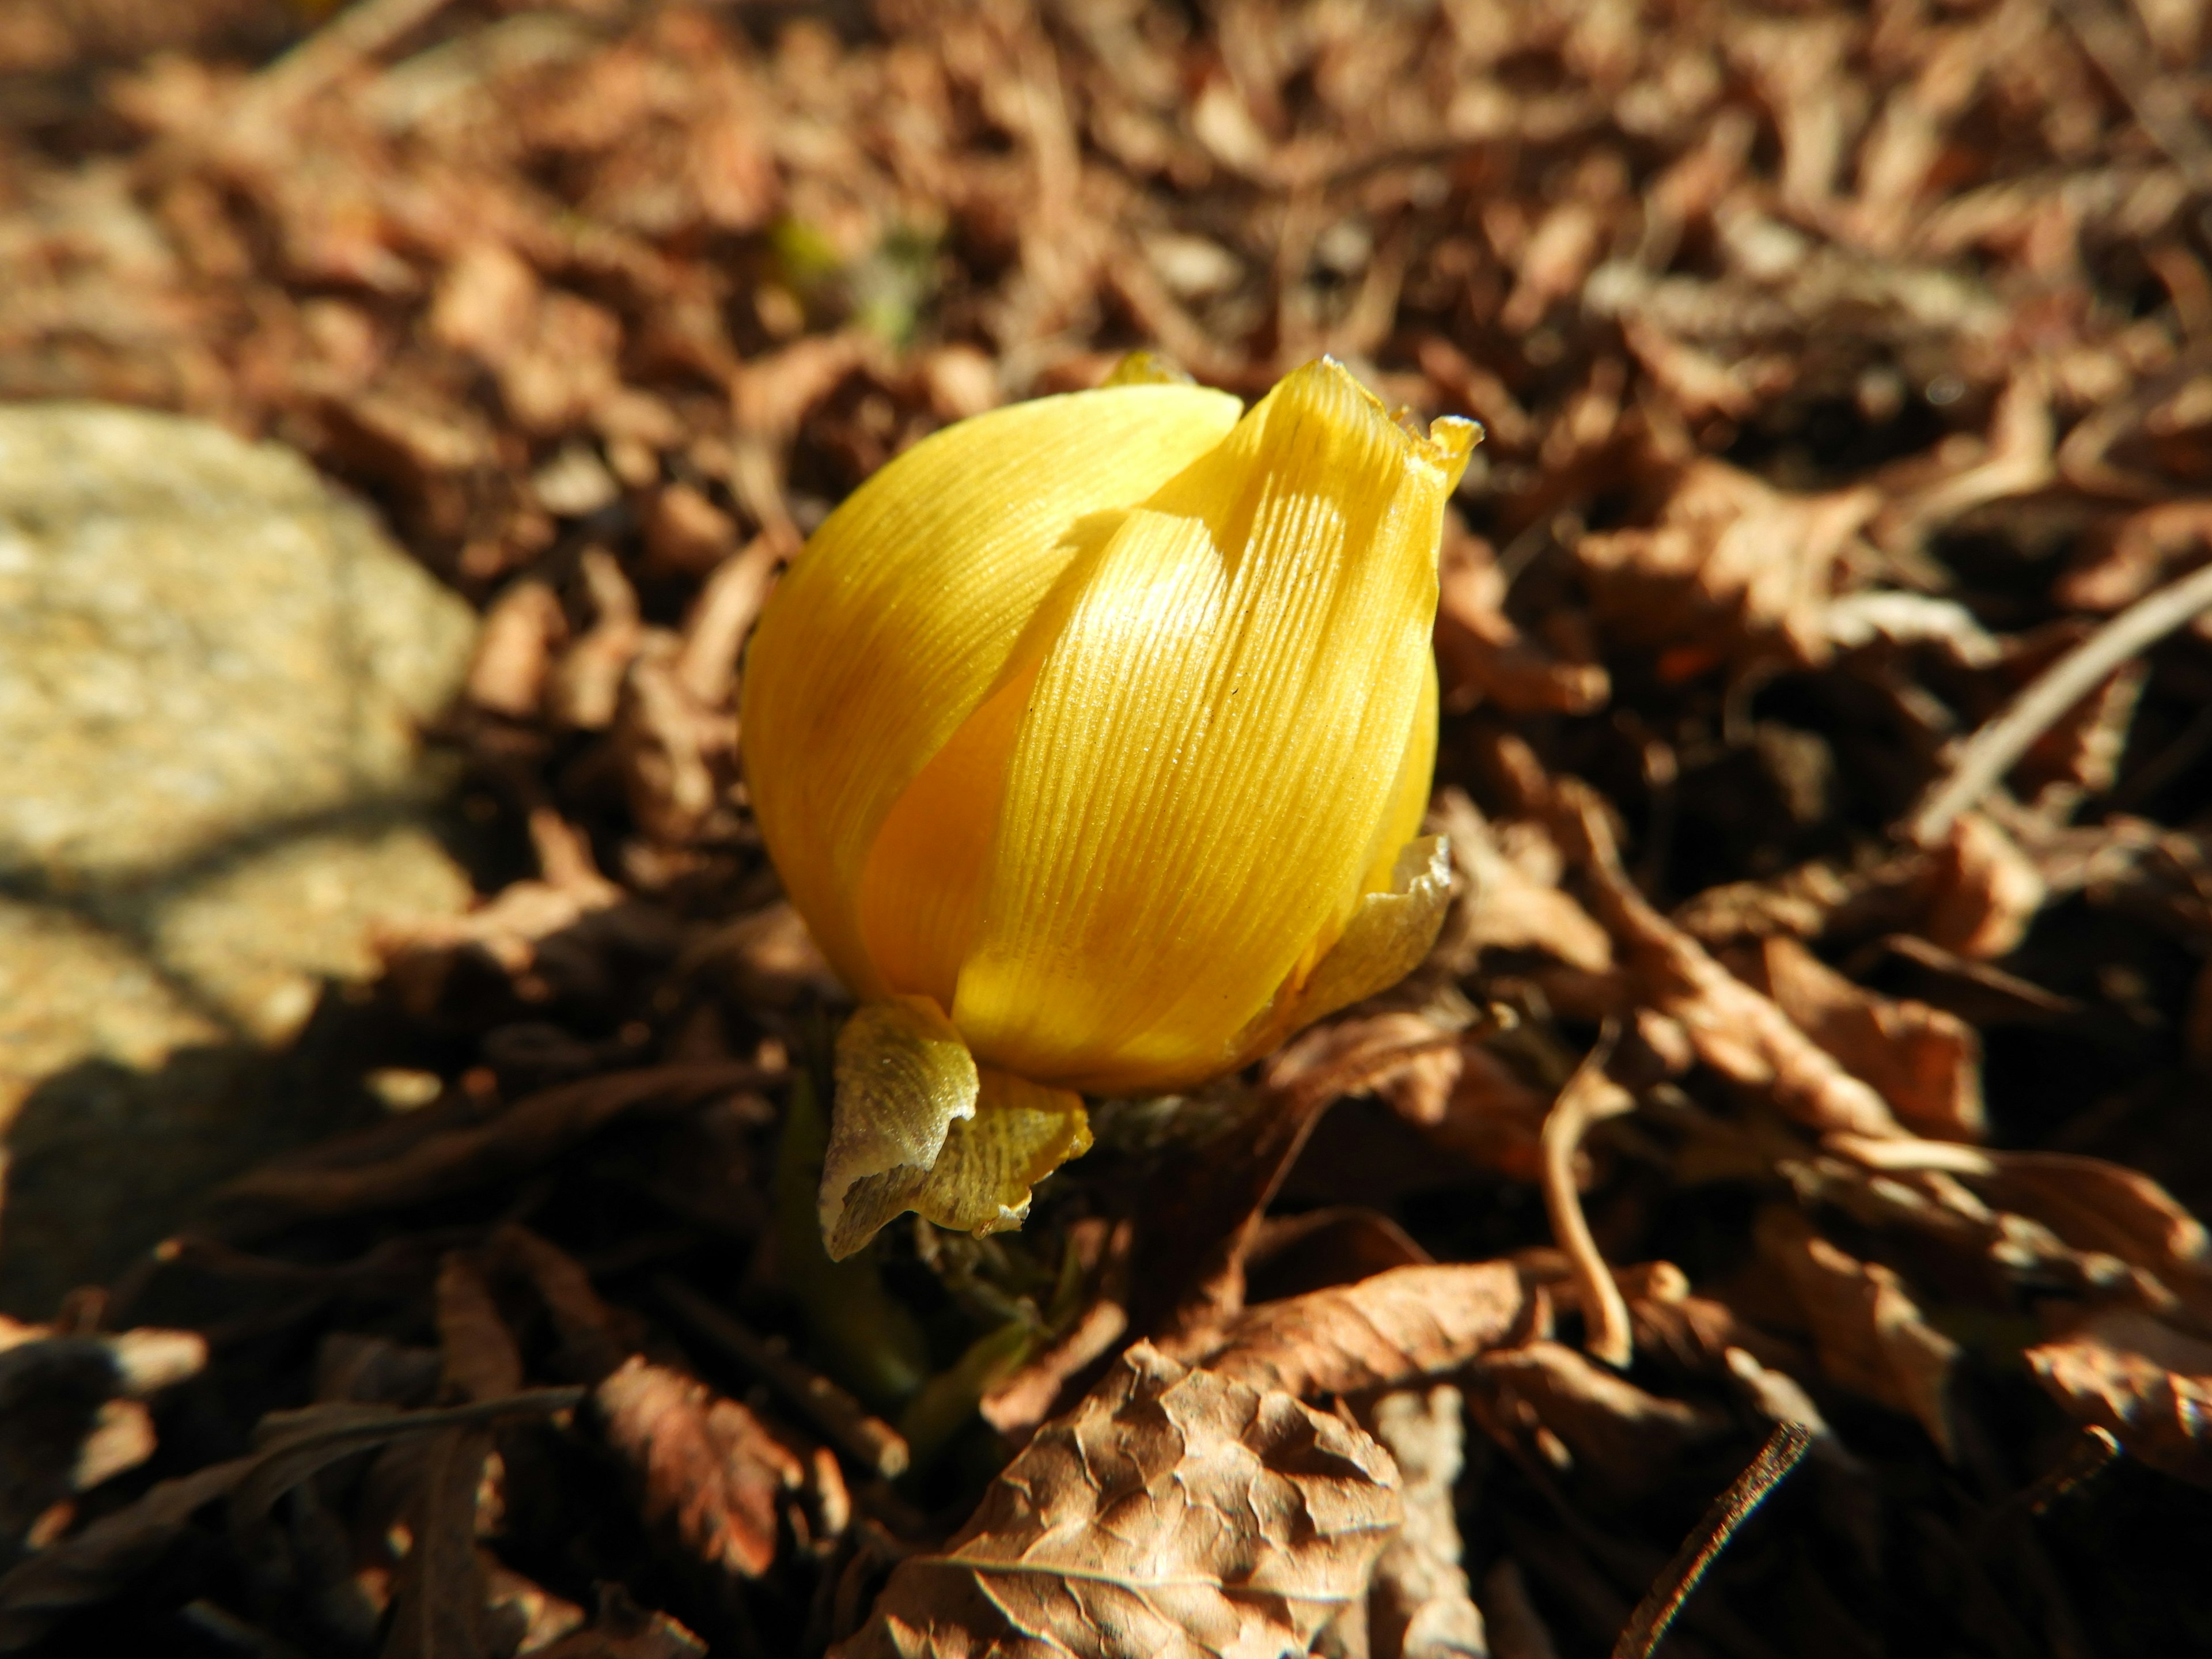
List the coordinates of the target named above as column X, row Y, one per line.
column 284, row 1192
column 1739, row 1033
column 1925, row 1062
column 1986, row 892
column 1419, row 1605
column 1869, row 1333
column 1625, row 1436
column 2122, row 1369
column 94, row 1565
column 1384, row 1332
column 1482, row 655
column 710, row 1470
column 480, row 1360
column 71, row 1414
column 1337, row 1244
column 1731, row 563
column 1173, row 1513
column 1513, row 900
column 622, row 1629
column 439, row 1604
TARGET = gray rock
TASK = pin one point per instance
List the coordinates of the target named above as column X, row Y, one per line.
column 213, row 675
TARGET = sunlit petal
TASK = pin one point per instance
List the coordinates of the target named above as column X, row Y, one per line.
column 1213, row 737
column 900, row 615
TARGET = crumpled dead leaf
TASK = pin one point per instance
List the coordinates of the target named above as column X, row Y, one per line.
column 1870, row 1333
column 710, row 1468
column 1513, row 900
column 1419, row 1605
column 1175, row 1514
column 2121, row 1369
column 1733, row 1029
column 1384, row 1332
column 1626, row 1438
column 1732, row 566
column 1986, row 892
column 72, row 1414
column 1482, row 655
column 1924, row 1061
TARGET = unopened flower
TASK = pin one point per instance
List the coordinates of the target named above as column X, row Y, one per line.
column 1091, row 737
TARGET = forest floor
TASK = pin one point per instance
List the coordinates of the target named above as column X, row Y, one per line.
column 1816, row 1054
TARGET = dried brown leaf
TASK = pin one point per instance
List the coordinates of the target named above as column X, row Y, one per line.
column 622, row 1629
column 1870, row 1333
column 1739, row 1033
column 1173, row 1513
column 439, row 1604
column 1732, row 566
column 480, row 1360
column 1513, row 900
column 1628, row 1438
column 1925, row 1062
column 522, row 631
column 70, row 1415
column 1383, row 1332
column 96, row 1564
column 1337, row 1244
column 528, row 1133
column 1986, row 892
column 1419, row 1605
column 1482, row 655
column 710, row 1469
column 2122, row 1369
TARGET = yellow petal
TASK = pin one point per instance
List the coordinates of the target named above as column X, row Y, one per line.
column 900, row 614
column 1216, row 737
column 1389, row 932
column 904, row 1077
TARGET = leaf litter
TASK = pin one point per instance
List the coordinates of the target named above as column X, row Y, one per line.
column 1816, row 1037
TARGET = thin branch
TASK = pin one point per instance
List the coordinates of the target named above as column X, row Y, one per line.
column 1589, row 1098
column 1991, row 752
column 1678, row 1582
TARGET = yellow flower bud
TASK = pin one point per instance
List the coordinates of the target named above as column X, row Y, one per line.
column 1091, row 737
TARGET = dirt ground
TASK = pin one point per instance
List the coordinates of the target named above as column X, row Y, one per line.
column 1816, row 1055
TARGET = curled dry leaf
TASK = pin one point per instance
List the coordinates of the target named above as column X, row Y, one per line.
column 480, row 1360
column 1482, row 656
column 1625, row 1436
column 2124, row 560
column 439, row 1605
column 1925, row 1062
column 1513, row 900
column 514, row 651
column 527, row 1133
column 2093, row 1204
column 1739, row 1033
column 1175, row 1514
column 1338, row 1244
column 623, row 1629
column 769, row 957
column 1868, row 1330
column 71, row 1412
column 710, row 1469
column 1732, row 565
column 2122, row 1369
column 1419, row 1605
column 1383, row 1332
column 1986, row 892
column 91, row 1567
